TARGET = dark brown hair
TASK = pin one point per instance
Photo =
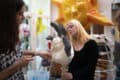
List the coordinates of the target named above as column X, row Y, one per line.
column 9, row 31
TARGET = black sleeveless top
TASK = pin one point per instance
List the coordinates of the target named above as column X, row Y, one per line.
column 84, row 62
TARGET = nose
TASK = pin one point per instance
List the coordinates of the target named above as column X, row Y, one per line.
column 69, row 29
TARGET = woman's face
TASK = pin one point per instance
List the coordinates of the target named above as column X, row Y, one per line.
column 20, row 16
column 71, row 29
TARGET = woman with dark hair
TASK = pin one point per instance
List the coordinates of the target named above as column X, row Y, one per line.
column 12, row 59
column 10, row 13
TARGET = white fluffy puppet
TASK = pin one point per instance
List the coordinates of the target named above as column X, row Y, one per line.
column 61, row 48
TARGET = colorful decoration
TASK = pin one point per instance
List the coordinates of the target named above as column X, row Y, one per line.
column 86, row 11
column 40, row 27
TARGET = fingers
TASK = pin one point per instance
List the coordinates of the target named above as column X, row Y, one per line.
column 67, row 76
column 32, row 53
column 38, row 53
column 44, row 54
column 47, row 57
column 28, row 57
column 24, row 60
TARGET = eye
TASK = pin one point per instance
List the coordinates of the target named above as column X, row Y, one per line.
column 69, row 26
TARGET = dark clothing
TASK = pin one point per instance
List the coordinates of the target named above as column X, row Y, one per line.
column 116, row 54
column 84, row 62
column 117, row 77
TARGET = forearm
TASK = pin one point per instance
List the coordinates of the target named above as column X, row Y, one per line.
column 44, row 54
column 33, row 53
column 9, row 71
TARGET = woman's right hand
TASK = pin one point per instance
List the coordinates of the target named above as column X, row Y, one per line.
column 24, row 60
column 45, row 54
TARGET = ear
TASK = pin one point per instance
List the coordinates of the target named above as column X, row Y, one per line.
column 59, row 28
column 63, row 30
column 49, row 37
column 67, row 46
column 56, row 27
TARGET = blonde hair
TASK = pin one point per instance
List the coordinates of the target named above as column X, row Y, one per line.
column 81, row 35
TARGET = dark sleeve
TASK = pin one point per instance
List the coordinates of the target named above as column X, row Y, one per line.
column 92, row 56
column 116, row 53
column 0, row 62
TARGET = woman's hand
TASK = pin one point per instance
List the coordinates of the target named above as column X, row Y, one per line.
column 44, row 54
column 26, row 52
column 19, row 64
column 67, row 76
column 24, row 60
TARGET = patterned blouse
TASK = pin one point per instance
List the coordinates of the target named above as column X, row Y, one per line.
column 7, row 59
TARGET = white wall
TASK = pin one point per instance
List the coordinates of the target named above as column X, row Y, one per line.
column 105, row 9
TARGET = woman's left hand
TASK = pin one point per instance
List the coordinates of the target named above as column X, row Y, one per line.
column 67, row 76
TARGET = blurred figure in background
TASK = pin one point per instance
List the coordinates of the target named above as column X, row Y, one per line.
column 116, row 51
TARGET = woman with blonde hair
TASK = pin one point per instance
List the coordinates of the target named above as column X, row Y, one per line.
column 81, row 34
column 83, row 64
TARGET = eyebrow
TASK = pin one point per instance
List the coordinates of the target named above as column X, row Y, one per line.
column 70, row 25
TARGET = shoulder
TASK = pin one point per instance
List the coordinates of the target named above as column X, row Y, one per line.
column 91, row 42
column 91, row 45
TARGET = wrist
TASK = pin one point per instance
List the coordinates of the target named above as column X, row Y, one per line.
column 18, row 65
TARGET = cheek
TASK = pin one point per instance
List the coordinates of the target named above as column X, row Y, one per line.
column 17, row 19
column 71, row 33
column 74, row 32
column 20, row 19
